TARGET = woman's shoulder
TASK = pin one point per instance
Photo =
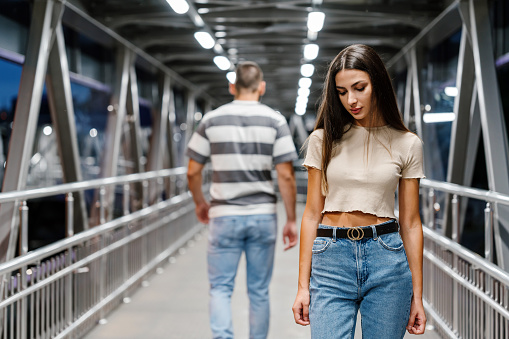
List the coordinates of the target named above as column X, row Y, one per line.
column 317, row 133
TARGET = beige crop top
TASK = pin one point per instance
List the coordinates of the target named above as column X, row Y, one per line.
column 367, row 184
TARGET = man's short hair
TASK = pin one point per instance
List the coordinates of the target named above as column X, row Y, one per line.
column 249, row 76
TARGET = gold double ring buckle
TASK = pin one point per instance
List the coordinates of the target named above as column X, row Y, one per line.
column 355, row 233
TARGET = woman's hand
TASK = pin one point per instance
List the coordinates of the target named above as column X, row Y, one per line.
column 301, row 308
column 417, row 321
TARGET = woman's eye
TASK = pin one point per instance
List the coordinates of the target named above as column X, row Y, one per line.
column 341, row 93
column 361, row 89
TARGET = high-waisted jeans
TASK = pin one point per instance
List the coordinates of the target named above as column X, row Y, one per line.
column 370, row 275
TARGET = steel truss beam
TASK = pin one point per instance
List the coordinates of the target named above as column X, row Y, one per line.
column 25, row 122
column 62, row 115
column 492, row 121
column 159, row 133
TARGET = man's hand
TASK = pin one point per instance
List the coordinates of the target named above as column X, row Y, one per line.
column 202, row 212
column 290, row 236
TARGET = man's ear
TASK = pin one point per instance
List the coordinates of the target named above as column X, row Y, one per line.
column 261, row 87
column 232, row 89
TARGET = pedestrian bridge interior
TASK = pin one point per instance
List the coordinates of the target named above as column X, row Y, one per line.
column 98, row 99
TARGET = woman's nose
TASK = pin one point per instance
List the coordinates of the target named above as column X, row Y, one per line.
column 352, row 99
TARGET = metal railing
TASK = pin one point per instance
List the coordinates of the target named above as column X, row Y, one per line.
column 466, row 295
column 62, row 290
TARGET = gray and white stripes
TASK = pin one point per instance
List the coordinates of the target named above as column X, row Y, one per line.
column 243, row 140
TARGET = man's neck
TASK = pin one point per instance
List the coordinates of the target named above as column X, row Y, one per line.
column 248, row 97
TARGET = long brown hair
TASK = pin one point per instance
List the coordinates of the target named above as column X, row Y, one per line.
column 333, row 117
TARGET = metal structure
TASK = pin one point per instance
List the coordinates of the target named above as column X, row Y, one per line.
column 64, row 289
column 466, row 296
column 272, row 33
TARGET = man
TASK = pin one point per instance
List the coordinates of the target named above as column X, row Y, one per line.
column 243, row 140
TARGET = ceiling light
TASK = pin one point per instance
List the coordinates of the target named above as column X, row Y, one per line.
column 220, row 34
column 438, row 117
column 179, row 6
column 205, row 39
column 303, row 92
column 307, row 70
column 300, row 110
column 451, row 91
column 315, row 21
column 231, row 76
column 311, row 51
column 305, row 82
column 302, row 100
column 222, row 62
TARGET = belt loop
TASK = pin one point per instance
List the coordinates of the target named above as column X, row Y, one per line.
column 375, row 236
column 334, row 234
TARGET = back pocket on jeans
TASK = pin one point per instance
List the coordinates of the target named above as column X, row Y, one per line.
column 320, row 245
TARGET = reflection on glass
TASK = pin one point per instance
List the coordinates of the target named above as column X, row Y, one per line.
column 91, row 113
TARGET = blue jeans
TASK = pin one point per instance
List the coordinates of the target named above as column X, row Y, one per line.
column 370, row 275
column 229, row 236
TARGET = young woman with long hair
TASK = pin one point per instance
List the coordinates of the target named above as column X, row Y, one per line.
column 355, row 255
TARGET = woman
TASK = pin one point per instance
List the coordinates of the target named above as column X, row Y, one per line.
column 354, row 254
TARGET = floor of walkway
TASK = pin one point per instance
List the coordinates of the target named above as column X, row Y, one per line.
column 174, row 303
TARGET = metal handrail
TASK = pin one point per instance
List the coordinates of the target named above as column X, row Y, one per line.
column 475, row 259
column 89, row 184
column 469, row 192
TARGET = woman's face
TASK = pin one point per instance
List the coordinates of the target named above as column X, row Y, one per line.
column 354, row 90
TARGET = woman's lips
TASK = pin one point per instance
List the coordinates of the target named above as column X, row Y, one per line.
column 355, row 110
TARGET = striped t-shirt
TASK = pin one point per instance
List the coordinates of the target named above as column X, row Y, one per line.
column 243, row 140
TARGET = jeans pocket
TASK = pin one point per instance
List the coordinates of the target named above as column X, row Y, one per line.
column 320, row 245
column 391, row 241
column 222, row 231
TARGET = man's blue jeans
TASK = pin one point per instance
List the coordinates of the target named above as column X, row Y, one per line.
column 370, row 275
column 229, row 236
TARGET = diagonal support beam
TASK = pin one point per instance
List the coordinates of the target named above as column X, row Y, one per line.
column 113, row 133
column 25, row 120
column 62, row 115
column 159, row 132
column 492, row 121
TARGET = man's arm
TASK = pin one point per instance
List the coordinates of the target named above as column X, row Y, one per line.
column 194, row 182
column 288, row 190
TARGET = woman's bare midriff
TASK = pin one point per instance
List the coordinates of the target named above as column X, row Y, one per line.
column 351, row 219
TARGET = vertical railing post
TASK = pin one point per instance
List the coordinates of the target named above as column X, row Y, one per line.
column 456, row 238
column 431, row 209
column 145, row 193
column 69, row 211
column 125, row 253
column 455, row 219
column 102, row 212
column 159, row 189
column 125, row 200
column 23, row 249
column 488, row 232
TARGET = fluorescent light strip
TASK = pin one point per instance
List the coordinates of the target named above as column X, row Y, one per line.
column 205, row 39
column 179, row 6
column 315, row 21
column 438, row 117
column 222, row 62
column 311, row 51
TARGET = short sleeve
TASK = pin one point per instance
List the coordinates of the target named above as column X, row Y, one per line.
column 284, row 148
column 198, row 147
column 414, row 161
column 314, row 150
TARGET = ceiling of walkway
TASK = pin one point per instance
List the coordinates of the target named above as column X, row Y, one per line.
column 272, row 33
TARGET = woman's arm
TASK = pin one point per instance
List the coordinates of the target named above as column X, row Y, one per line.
column 411, row 233
column 311, row 218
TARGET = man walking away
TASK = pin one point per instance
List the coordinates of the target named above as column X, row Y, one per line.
column 244, row 140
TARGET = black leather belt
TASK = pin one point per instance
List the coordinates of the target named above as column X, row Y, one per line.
column 358, row 233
